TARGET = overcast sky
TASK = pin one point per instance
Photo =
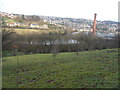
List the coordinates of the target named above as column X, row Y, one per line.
column 105, row 9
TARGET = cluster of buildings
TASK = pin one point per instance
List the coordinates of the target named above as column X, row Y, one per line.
column 18, row 24
column 78, row 25
column 4, row 14
column 83, row 25
column 45, row 26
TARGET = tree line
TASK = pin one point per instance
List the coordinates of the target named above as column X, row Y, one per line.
column 55, row 42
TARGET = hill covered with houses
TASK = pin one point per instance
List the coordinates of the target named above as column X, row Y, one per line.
column 25, row 21
column 55, row 23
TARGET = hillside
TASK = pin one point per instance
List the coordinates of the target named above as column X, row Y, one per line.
column 90, row 69
column 56, row 23
column 28, row 22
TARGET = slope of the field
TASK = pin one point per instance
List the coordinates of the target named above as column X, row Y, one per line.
column 95, row 69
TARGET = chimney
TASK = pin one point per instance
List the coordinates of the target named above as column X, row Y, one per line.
column 94, row 24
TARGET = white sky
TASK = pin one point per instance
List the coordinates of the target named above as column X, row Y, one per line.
column 105, row 9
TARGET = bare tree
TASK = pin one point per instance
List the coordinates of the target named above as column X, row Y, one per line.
column 55, row 45
column 7, row 38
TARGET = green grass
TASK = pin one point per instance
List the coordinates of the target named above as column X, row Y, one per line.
column 11, row 21
column 90, row 69
column 10, row 53
column 31, row 31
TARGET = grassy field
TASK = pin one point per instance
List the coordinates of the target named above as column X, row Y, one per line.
column 33, row 31
column 90, row 69
column 30, row 31
column 10, row 53
column 27, row 31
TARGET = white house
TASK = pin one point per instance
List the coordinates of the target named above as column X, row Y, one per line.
column 11, row 24
column 34, row 26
